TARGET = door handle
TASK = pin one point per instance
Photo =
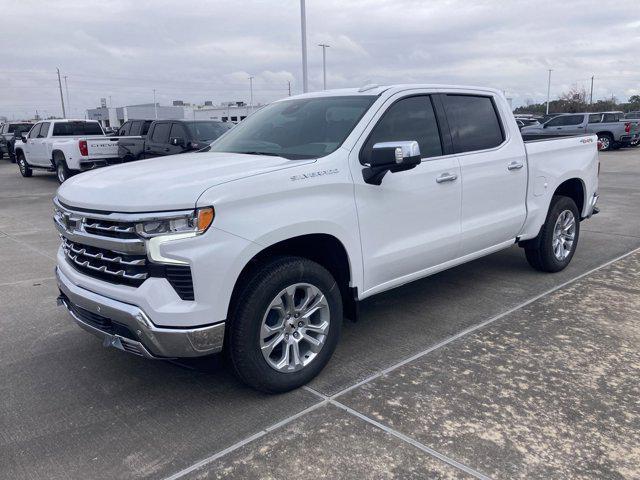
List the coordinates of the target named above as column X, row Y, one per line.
column 515, row 166
column 447, row 177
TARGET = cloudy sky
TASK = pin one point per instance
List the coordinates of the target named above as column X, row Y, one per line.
column 206, row 50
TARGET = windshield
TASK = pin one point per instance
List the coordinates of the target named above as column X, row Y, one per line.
column 296, row 129
column 19, row 127
column 204, row 131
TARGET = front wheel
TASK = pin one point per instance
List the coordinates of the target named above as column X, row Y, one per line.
column 284, row 325
column 25, row 170
column 553, row 248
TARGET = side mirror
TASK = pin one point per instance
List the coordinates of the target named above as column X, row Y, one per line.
column 177, row 141
column 23, row 137
column 390, row 157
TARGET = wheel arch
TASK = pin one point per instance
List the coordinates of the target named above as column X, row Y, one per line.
column 323, row 248
column 575, row 189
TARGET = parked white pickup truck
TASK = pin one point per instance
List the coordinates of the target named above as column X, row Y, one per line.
column 66, row 147
column 261, row 244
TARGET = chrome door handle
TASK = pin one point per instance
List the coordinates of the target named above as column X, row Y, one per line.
column 515, row 166
column 447, row 177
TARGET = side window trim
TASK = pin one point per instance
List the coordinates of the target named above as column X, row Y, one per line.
column 429, row 97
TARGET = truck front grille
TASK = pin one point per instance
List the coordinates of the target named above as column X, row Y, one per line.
column 107, row 265
column 107, row 247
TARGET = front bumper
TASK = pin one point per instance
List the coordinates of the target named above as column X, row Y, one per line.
column 128, row 328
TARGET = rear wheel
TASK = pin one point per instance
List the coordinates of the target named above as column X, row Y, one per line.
column 605, row 141
column 284, row 325
column 62, row 172
column 25, row 170
column 553, row 248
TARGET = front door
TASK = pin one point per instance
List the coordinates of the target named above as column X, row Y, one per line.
column 411, row 222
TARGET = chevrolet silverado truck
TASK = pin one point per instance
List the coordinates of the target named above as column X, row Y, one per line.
column 171, row 137
column 262, row 244
column 66, row 147
column 612, row 129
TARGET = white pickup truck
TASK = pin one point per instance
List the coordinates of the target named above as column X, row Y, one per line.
column 66, row 147
column 263, row 243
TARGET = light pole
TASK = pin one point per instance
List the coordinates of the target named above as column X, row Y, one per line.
column 66, row 87
column 591, row 94
column 548, row 90
column 155, row 105
column 303, row 28
column 64, row 113
column 251, row 93
column 324, row 64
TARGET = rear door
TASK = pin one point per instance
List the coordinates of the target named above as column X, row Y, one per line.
column 494, row 171
column 158, row 143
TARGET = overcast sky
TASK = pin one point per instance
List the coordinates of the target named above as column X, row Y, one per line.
column 206, row 50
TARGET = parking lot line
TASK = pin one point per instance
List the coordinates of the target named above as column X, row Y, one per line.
column 324, row 399
column 241, row 443
column 473, row 328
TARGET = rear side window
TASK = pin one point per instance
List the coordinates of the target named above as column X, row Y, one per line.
column 611, row 117
column 473, row 122
column 161, row 133
column 76, row 129
column 409, row 119
column 595, row 118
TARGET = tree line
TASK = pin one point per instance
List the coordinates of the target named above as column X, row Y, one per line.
column 577, row 100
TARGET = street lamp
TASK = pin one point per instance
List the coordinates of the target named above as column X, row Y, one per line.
column 303, row 29
column 251, row 93
column 548, row 90
column 324, row 64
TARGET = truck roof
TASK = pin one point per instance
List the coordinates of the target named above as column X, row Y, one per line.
column 66, row 120
column 374, row 89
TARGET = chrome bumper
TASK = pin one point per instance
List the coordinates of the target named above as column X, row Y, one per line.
column 128, row 328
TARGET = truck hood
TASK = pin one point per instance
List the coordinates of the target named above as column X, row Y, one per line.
column 168, row 183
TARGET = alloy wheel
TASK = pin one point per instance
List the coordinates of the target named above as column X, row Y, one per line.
column 294, row 327
column 564, row 234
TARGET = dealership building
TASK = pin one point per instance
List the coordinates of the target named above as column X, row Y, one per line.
column 116, row 116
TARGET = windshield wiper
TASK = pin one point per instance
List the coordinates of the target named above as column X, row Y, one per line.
column 269, row 154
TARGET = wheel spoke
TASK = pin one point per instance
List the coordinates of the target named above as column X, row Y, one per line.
column 317, row 304
column 321, row 329
column 295, row 348
column 315, row 344
column 268, row 347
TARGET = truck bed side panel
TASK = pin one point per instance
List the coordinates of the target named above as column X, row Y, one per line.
column 552, row 162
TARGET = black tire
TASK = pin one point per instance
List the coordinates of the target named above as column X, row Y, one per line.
column 606, row 140
column 23, row 166
column 62, row 172
column 540, row 251
column 250, row 307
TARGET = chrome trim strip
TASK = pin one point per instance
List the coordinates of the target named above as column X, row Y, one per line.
column 159, row 342
column 122, row 245
column 100, row 256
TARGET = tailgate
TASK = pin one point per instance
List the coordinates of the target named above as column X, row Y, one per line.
column 102, row 147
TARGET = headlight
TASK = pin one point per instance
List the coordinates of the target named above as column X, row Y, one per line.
column 195, row 223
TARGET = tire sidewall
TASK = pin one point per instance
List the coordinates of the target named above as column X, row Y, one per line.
column 244, row 328
column 61, row 170
column 560, row 204
column 23, row 166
